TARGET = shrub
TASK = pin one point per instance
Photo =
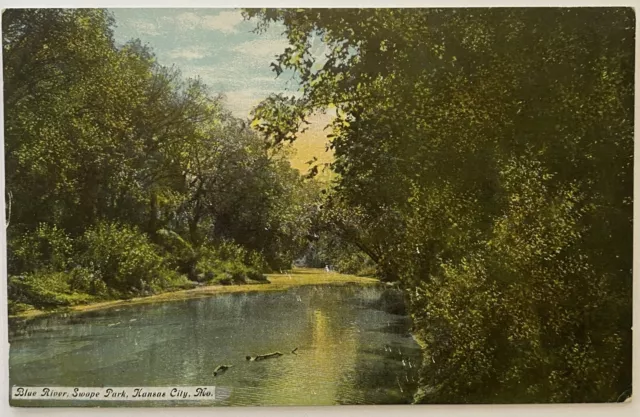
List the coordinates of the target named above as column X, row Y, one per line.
column 123, row 258
column 17, row 308
column 171, row 280
column 178, row 253
column 356, row 263
column 257, row 261
column 367, row 271
column 46, row 247
column 255, row 275
column 223, row 278
column 45, row 290
column 86, row 281
column 227, row 264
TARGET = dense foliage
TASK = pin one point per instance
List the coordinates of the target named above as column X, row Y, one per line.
column 484, row 160
column 125, row 179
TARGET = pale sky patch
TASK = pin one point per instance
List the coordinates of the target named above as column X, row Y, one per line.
column 240, row 102
column 189, row 53
column 225, row 21
column 144, row 27
column 263, row 48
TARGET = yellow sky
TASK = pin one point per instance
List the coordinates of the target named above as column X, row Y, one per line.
column 312, row 143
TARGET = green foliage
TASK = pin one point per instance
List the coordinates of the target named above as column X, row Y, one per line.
column 125, row 176
column 45, row 247
column 15, row 307
column 84, row 280
column 356, row 264
column 123, row 258
column 334, row 251
column 484, row 161
column 229, row 263
column 44, row 290
column 179, row 253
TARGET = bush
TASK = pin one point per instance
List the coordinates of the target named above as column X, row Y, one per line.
column 113, row 260
column 356, row 263
column 85, row 281
column 17, row 308
column 169, row 280
column 123, row 258
column 46, row 247
column 227, row 264
column 178, row 253
column 258, row 263
column 45, row 290
column 255, row 275
column 367, row 271
column 223, row 278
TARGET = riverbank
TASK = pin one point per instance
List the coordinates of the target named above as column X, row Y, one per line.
column 277, row 282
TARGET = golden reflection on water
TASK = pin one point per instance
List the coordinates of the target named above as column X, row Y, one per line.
column 329, row 344
column 286, row 381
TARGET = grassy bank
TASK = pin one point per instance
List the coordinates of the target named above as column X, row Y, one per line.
column 277, row 282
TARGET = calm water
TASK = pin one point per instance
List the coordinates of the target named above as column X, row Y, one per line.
column 350, row 351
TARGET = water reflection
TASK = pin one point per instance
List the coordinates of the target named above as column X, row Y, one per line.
column 349, row 351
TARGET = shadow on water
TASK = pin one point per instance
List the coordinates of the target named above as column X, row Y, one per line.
column 353, row 348
column 390, row 300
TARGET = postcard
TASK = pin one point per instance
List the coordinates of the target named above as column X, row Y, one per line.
column 318, row 206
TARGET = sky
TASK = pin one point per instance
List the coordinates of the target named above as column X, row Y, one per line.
column 217, row 45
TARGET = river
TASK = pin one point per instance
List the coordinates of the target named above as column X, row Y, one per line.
column 350, row 350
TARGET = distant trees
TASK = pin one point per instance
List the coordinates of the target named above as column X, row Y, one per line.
column 484, row 159
column 127, row 176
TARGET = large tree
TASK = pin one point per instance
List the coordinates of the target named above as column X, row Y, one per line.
column 494, row 149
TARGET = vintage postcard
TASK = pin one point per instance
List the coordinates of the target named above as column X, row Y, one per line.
column 318, row 206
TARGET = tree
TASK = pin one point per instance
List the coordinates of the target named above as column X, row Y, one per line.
column 494, row 147
column 123, row 166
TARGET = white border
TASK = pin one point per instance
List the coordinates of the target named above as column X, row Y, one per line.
column 582, row 410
